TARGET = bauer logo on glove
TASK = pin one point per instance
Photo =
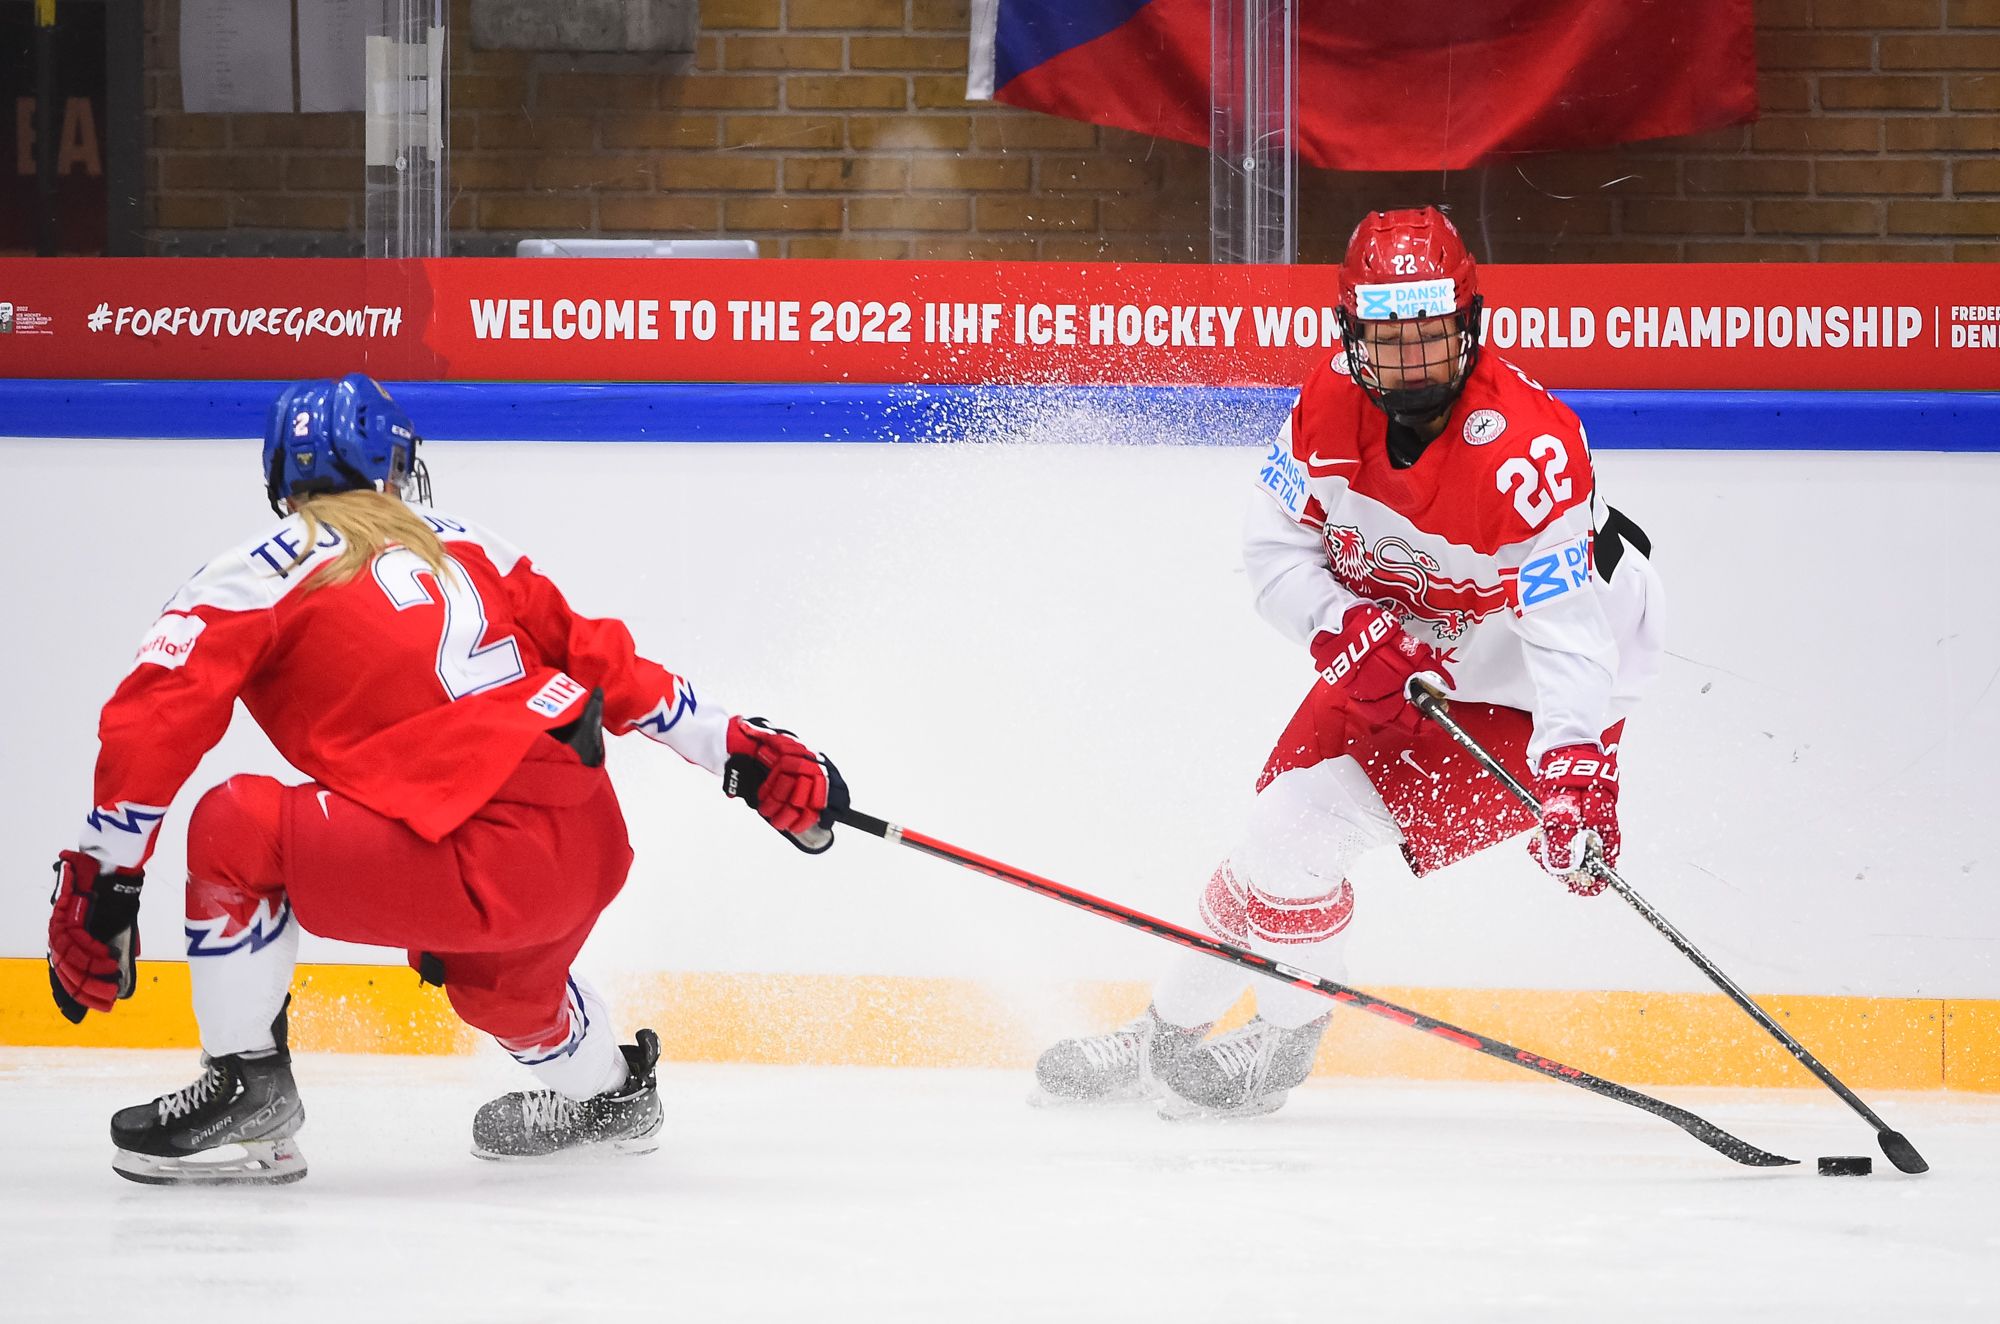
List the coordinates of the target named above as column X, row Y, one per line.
column 1371, row 660
column 1358, row 644
column 1578, row 788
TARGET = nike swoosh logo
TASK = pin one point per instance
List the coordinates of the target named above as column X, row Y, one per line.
column 1320, row 459
column 1404, row 755
column 329, row 817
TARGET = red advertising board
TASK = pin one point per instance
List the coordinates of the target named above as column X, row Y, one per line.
column 1770, row 327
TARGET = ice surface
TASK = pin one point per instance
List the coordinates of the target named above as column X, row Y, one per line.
column 827, row 1194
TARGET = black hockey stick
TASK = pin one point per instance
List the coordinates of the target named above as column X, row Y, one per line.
column 1895, row 1146
column 1707, row 1132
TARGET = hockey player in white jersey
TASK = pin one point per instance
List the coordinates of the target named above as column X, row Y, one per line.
column 1425, row 510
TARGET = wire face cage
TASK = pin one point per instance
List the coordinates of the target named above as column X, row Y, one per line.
column 1415, row 367
column 407, row 128
column 1253, row 147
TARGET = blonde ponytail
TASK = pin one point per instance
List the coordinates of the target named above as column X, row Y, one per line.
column 369, row 522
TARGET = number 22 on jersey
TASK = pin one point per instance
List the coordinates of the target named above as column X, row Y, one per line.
column 1519, row 477
column 463, row 667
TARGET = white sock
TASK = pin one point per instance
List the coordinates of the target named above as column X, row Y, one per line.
column 1197, row 989
column 1305, row 832
column 1288, row 1006
column 588, row 1063
column 238, row 982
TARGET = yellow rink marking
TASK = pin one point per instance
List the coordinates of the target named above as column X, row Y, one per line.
column 893, row 1020
column 335, row 1009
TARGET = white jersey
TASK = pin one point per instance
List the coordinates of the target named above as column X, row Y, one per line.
column 1485, row 547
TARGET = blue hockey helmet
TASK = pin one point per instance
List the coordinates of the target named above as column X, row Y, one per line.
column 328, row 436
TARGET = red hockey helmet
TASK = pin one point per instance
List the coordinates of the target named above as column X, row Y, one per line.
column 1406, row 273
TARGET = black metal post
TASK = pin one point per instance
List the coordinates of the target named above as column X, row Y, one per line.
column 125, row 128
column 48, row 128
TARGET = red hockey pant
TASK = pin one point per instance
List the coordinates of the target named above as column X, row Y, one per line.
column 1444, row 802
column 505, row 901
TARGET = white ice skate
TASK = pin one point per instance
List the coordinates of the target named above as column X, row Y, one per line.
column 1118, row 1067
column 1246, row 1073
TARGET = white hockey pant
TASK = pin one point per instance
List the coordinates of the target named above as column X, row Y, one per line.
column 1284, row 893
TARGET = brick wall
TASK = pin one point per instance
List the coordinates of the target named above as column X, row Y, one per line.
column 1876, row 144
column 243, row 185
column 820, row 128
column 837, row 128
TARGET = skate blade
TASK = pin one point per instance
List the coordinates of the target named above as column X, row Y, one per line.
column 1173, row 1108
column 1138, row 1092
column 644, row 1143
column 251, row 1163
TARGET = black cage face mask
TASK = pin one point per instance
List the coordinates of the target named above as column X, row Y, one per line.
column 1418, row 360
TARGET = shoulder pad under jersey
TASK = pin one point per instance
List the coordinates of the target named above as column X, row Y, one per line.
column 256, row 573
column 449, row 528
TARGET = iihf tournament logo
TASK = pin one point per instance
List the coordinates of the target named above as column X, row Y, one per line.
column 1483, row 425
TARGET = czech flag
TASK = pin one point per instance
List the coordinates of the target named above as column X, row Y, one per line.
column 1404, row 85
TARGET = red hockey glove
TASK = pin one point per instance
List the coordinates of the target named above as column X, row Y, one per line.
column 1372, row 660
column 796, row 790
column 93, row 935
column 1578, row 788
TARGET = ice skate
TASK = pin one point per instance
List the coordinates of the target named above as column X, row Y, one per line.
column 1118, row 1067
column 1245, row 1073
column 233, row 1127
column 542, row 1123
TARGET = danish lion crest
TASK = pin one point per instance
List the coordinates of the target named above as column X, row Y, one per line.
column 1410, row 582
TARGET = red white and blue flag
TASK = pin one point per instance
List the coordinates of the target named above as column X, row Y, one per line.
column 1416, row 85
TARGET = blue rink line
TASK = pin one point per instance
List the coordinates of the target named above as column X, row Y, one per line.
column 1960, row 422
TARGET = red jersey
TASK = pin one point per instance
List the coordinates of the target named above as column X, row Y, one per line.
column 412, row 693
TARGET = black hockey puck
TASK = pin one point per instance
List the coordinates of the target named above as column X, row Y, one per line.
column 1846, row 1165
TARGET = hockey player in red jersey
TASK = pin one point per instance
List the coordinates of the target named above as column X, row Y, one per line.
column 1426, row 510
column 450, row 709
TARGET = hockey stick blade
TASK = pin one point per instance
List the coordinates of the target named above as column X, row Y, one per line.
column 1708, row 1133
column 1895, row 1146
column 1901, row 1152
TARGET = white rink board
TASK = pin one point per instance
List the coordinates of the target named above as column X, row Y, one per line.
column 1047, row 654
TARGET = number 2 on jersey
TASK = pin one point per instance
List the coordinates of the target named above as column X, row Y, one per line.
column 1519, row 477
column 463, row 667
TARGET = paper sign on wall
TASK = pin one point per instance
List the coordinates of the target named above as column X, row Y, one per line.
column 331, row 36
column 236, row 55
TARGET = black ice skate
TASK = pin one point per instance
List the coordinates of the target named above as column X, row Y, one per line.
column 1245, row 1073
column 233, row 1127
column 541, row 1123
column 1119, row 1067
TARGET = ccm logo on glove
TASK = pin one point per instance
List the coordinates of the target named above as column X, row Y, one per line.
column 93, row 935
column 797, row 791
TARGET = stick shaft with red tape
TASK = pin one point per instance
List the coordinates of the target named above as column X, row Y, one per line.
column 1706, row 1132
